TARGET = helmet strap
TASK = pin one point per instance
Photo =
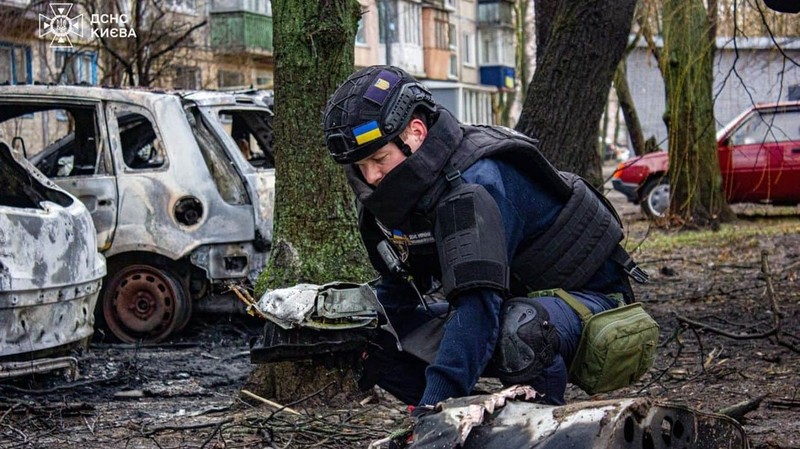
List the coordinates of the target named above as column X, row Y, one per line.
column 403, row 146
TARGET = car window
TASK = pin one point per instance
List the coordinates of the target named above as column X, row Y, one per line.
column 61, row 141
column 229, row 185
column 252, row 132
column 141, row 147
column 769, row 127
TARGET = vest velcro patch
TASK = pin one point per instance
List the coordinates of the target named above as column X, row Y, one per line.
column 381, row 88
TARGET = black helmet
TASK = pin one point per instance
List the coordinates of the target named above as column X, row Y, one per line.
column 371, row 109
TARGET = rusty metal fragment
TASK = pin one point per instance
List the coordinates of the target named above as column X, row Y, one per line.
column 500, row 421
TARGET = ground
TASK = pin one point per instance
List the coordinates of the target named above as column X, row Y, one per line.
column 188, row 393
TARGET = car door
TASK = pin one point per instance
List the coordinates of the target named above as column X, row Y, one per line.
column 67, row 141
column 747, row 157
column 785, row 157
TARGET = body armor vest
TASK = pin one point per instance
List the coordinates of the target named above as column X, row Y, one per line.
column 582, row 238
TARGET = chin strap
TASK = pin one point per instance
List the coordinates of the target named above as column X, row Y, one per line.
column 403, row 146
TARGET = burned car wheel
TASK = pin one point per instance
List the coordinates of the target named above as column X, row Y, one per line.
column 144, row 303
column 655, row 197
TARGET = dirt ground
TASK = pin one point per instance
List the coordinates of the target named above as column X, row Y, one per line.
column 187, row 394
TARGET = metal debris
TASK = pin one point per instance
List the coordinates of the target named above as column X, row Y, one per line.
column 507, row 421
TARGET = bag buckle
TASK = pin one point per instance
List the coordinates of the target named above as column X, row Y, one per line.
column 636, row 273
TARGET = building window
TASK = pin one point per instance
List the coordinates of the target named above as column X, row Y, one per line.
column 361, row 34
column 411, row 30
column 76, row 67
column 264, row 80
column 228, row 79
column 15, row 64
column 441, row 29
column 187, row 78
column 182, row 6
column 468, row 51
column 453, row 72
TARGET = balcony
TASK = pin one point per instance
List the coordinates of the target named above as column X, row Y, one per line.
column 241, row 32
column 499, row 76
column 495, row 13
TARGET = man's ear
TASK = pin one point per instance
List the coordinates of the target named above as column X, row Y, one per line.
column 418, row 129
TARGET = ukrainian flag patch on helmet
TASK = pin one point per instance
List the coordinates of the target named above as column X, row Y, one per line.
column 367, row 132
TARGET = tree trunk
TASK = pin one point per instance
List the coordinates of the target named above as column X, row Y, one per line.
column 579, row 46
column 686, row 64
column 629, row 108
column 315, row 238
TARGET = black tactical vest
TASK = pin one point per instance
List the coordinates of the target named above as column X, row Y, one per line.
column 582, row 238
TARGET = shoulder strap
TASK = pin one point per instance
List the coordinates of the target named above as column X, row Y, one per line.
column 573, row 302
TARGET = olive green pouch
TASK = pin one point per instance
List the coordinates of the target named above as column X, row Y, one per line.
column 616, row 348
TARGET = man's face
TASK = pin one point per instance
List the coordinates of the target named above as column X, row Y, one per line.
column 380, row 163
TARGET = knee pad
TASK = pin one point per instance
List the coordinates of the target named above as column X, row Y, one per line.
column 527, row 343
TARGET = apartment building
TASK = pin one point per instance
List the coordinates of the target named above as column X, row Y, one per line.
column 461, row 49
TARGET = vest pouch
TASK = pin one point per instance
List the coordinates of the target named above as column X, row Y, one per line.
column 616, row 348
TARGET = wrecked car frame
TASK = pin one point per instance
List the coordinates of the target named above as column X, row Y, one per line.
column 180, row 187
column 50, row 270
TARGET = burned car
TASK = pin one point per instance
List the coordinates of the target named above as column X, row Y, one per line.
column 50, row 270
column 180, row 187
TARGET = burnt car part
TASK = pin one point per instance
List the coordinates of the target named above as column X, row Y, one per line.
column 50, row 270
column 177, row 208
column 144, row 302
column 504, row 419
column 17, row 369
column 310, row 321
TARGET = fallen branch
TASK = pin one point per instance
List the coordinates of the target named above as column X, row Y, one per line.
column 737, row 411
column 724, row 333
column 195, row 426
column 279, row 407
column 775, row 330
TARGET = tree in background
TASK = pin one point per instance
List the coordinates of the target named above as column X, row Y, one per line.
column 579, row 46
column 689, row 32
column 315, row 238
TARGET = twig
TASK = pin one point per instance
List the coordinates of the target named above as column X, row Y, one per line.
column 279, row 407
column 195, row 426
column 58, row 387
column 214, row 432
column 725, row 333
column 91, row 428
column 22, row 434
column 2, row 418
column 737, row 411
column 675, row 335
column 776, row 315
column 137, row 346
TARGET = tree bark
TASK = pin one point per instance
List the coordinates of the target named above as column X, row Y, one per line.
column 315, row 237
column 686, row 64
column 579, row 46
column 629, row 108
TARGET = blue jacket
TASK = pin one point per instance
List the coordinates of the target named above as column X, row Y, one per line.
column 472, row 327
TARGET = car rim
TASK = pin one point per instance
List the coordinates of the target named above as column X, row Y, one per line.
column 658, row 199
column 142, row 303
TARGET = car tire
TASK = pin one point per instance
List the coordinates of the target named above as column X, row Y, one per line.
column 143, row 303
column 655, row 197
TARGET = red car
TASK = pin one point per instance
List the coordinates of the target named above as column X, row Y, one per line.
column 759, row 156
